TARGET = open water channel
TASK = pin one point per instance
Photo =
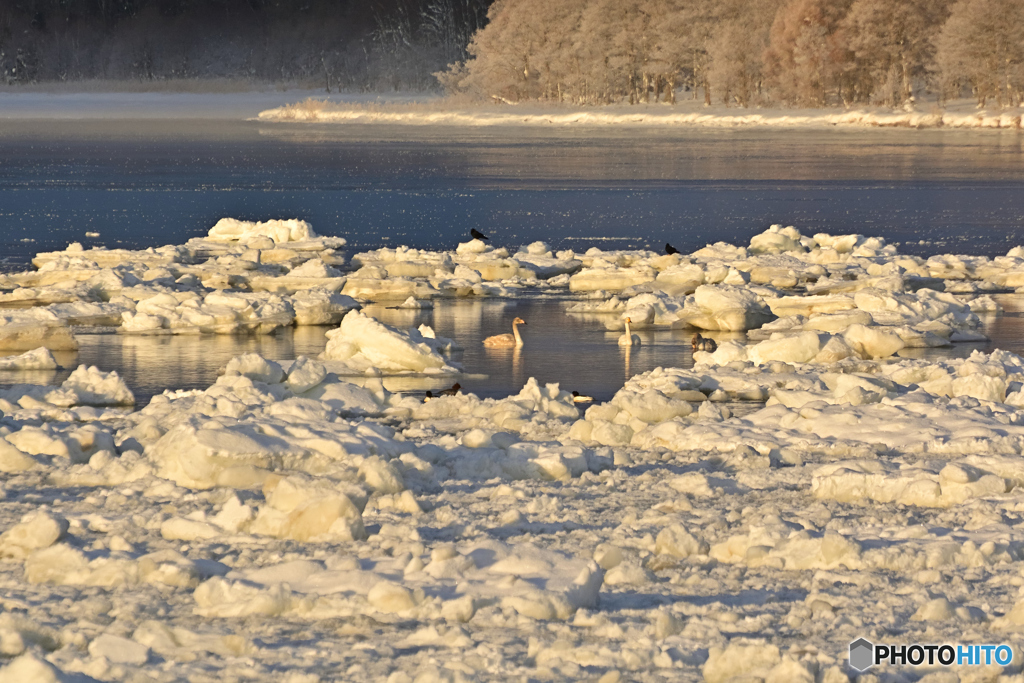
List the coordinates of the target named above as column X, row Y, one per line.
column 145, row 183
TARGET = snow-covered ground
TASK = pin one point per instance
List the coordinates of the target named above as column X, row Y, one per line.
column 742, row 519
column 959, row 114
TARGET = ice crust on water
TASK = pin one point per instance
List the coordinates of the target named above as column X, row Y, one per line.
column 256, row 278
column 26, row 332
column 362, row 344
column 233, row 230
column 806, row 484
column 36, row 359
column 473, row 269
column 86, row 386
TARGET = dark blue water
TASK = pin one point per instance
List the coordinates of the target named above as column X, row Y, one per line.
column 149, row 183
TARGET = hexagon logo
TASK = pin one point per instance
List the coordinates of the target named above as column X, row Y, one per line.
column 861, row 654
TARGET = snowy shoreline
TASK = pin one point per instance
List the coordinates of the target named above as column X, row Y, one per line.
column 959, row 117
column 806, row 481
column 418, row 109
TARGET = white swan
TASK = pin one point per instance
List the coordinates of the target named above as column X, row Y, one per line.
column 507, row 341
column 629, row 339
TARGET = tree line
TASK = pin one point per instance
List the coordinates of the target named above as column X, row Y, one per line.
column 378, row 45
column 739, row 52
column 810, row 53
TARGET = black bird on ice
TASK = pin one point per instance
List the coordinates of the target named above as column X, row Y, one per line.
column 669, row 249
column 477, row 235
column 452, row 390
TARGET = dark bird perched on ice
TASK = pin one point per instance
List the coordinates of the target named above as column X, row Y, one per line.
column 699, row 343
column 477, row 235
column 669, row 249
column 452, row 390
column 429, row 396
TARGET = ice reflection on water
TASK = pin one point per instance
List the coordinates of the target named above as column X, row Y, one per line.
column 578, row 351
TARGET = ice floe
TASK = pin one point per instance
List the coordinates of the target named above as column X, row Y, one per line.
column 816, row 478
column 362, row 344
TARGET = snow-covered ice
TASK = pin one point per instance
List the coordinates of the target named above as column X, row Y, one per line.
column 813, row 480
column 362, row 344
column 682, row 114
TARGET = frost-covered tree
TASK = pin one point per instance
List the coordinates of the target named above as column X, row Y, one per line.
column 981, row 45
column 587, row 51
column 891, row 43
column 630, row 51
column 740, row 52
column 684, row 30
column 804, row 59
column 505, row 55
column 737, row 48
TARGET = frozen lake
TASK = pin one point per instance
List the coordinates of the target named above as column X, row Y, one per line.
column 145, row 183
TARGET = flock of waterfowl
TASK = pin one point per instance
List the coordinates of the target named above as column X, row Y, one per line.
column 450, row 391
column 699, row 343
column 513, row 340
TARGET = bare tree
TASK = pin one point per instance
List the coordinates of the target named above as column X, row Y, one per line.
column 451, row 25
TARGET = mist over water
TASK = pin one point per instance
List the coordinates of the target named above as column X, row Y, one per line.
column 144, row 184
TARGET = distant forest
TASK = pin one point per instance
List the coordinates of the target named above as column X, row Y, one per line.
column 811, row 53
column 743, row 52
column 377, row 45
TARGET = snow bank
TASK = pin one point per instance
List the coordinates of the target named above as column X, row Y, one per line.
column 519, row 115
column 29, row 667
column 311, row 274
